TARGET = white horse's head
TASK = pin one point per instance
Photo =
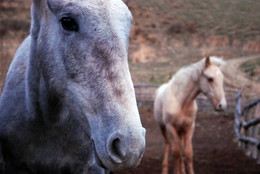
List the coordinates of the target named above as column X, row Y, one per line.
column 211, row 82
column 82, row 48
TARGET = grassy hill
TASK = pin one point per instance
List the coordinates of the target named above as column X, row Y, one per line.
column 166, row 34
column 169, row 34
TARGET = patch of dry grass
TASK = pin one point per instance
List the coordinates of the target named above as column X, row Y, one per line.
column 15, row 24
column 252, row 69
column 165, row 35
column 183, row 31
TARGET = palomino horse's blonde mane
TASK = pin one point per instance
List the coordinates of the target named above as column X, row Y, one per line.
column 193, row 71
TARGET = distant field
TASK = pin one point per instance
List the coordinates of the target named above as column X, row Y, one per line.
column 169, row 34
column 165, row 35
column 239, row 19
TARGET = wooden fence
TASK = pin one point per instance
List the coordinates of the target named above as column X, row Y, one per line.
column 247, row 127
column 246, row 119
column 145, row 93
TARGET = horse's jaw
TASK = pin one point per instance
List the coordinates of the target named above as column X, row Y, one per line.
column 98, row 161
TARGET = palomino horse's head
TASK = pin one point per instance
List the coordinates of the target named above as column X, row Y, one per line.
column 211, row 83
column 82, row 48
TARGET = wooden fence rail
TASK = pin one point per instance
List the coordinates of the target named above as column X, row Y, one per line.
column 146, row 93
column 247, row 127
column 246, row 119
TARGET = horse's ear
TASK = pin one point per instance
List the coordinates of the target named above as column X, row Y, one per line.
column 37, row 3
column 37, row 10
column 36, row 15
column 207, row 62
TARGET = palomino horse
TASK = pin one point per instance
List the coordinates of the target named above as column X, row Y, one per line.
column 68, row 102
column 175, row 108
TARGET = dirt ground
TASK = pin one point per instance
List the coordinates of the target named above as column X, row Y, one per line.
column 215, row 147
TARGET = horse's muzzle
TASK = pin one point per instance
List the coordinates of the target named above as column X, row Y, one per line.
column 221, row 106
column 123, row 151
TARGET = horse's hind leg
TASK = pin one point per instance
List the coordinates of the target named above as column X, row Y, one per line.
column 165, row 164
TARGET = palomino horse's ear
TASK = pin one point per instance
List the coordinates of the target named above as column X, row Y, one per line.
column 207, row 62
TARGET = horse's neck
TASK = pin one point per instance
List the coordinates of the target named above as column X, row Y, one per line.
column 41, row 101
column 187, row 94
column 32, row 79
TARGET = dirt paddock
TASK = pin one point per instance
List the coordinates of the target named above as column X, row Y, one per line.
column 214, row 143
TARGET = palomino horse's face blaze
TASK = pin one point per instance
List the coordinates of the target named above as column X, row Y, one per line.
column 88, row 41
column 211, row 84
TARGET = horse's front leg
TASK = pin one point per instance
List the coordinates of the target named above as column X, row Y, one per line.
column 188, row 151
column 165, row 164
column 175, row 142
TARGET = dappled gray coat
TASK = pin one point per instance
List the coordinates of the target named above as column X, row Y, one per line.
column 68, row 102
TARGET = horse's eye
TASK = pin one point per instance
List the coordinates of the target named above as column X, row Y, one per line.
column 69, row 24
column 210, row 79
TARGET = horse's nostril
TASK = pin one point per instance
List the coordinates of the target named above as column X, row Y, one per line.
column 126, row 149
column 115, row 148
column 220, row 106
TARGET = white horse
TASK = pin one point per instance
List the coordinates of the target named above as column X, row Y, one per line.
column 68, row 102
column 175, row 108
